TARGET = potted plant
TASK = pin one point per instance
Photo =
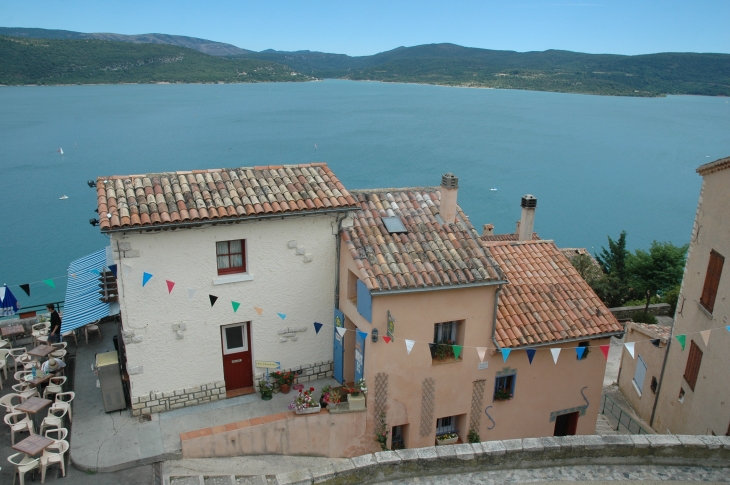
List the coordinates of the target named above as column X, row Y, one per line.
column 284, row 379
column 502, row 395
column 356, row 395
column 267, row 390
column 447, row 439
column 304, row 403
column 324, row 397
column 333, row 399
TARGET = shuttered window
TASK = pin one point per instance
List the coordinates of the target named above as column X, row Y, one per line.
column 640, row 375
column 231, row 256
column 712, row 280
column 693, row 365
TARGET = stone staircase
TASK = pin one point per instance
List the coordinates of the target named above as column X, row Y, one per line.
column 604, row 427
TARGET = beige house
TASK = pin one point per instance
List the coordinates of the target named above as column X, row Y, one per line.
column 694, row 392
column 456, row 334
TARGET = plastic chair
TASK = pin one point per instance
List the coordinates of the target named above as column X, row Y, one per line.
column 18, row 423
column 25, row 390
column 39, row 330
column 59, row 354
column 70, row 333
column 59, row 433
column 4, row 343
column 92, row 327
column 60, row 345
column 4, row 353
column 15, row 353
column 55, row 385
column 64, row 400
column 49, row 458
column 23, row 464
column 20, row 375
column 54, row 418
column 7, row 401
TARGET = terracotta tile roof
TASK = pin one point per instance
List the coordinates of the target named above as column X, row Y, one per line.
column 231, row 193
column 651, row 330
column 506, row 237
column 430, row 254
column 715, row 166
column 546, row 300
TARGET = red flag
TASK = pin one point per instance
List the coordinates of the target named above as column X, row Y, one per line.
column 387, row 339
column 604, row 349
column 170, row 286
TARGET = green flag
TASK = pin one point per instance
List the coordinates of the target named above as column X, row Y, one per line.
column 50, row 283
column 682, row 340
column 235, row 306
column 457, row 350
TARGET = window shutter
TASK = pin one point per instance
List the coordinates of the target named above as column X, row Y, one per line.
column 712, row 280
column 693, row 365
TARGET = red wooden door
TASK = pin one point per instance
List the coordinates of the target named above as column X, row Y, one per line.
column 236, row 347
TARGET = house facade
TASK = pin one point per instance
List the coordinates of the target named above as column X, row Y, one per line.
column 221, row 274
column 693, row 393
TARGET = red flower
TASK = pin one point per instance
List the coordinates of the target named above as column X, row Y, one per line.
column 311, row 389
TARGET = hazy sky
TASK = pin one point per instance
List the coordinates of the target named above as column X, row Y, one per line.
column 367, row 27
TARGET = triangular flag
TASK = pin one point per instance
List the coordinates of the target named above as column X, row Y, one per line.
column 146, row 277
column 556, row 353
column 113, row 269
column 50, row 283
column 362, row 334
column 530, row 354
column 706, row 337
column 170, row 286
column 482, row 351
column 409, row 345
column 127, row 268
column 630, row 348
column 341, row 331
column 682, row 340
column 605, row 349
column 258, row 310
column 317, row 327
column 457, row 350
column 213, row 298
column 505, row 353
column 191, row 293
column 387, row 339
column 282, row 315
column 235, row 306
column 2, row 292
column 26, row 288
column 580, row 351
column 728, row 328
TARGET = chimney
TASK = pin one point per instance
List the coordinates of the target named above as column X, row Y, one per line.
column 527, row 222
column 488, row 230
column 449, row 190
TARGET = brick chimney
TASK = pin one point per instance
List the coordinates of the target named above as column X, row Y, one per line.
column 449, row 191
column 527, row 222
column 488, row 230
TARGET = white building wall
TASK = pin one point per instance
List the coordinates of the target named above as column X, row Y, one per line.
column 282, row 283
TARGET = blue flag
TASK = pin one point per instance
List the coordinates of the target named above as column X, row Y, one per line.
column 317, row 327
column 580, row 351
column 530, row 354
column 282, row 315
column 146, row 277
column 505, row 353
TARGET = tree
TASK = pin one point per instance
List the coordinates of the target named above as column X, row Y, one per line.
column 613, row 260
column 612, row 286
column 657, row 271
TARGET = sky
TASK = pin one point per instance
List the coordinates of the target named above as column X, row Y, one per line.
column 368, row 27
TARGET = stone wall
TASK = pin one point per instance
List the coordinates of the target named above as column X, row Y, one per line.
column 158, row 402
column 626, row 312
column 307, row 373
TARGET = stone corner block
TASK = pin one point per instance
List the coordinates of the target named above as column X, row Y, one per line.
column 533, row 445
column 478, row 449
column 712, row 442
column 428, row 453
column 446, row 451
column 322, row 474
column 298, row 477
column 662, row 440
column 511, row 446
column 363, row 461
column 549, row 443
column 343, row 467
column 387, row 458
column 725, row 440
column 464, row 451
column 593, row 442
column 691, row 441
column 570, row 442
column 495, row 447
column 640, row 441
column 618, row 440
column 409, row 454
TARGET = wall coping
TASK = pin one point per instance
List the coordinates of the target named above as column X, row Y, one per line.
column 707, row 451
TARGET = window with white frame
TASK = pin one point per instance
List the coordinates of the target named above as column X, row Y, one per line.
column 445, row 425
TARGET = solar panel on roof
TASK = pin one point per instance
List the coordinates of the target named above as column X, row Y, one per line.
column 394, row 225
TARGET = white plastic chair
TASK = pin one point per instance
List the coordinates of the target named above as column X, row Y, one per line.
column 18, row 423
column 39, row 330
column 64, row 400
column 59, row 354
column 25, row 390
column 55, row 385
column 70, row 333
column 92, row 327
column 4, row 343
column 15, row 353
column 23, row 464
column 54, row 419
column 49, row 458
column 20, row 375
column 4, row 353
column 7, row 401
column 57, row 434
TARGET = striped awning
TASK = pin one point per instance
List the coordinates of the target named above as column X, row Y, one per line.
column 82, row 305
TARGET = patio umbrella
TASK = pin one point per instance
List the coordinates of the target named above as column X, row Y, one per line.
column 9, row 305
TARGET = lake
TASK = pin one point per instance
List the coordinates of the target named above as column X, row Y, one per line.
column 597, row 165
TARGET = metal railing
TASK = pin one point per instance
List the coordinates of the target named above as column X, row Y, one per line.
column 622, row 417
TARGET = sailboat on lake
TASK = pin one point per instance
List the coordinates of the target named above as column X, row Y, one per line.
column 60, row 150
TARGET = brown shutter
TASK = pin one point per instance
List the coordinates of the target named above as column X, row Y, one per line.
column 693, row 365
column 712, row 280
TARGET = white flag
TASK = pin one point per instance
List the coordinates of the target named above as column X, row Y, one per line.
column 127, row 268
column 555, row 353
column 409, row 345
column 2, row 293
column 341, row 331
column 706, row 337
column 482, row 352
column 630, row 348
column 191, row 293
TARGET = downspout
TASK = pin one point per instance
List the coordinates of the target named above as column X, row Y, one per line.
column 337, row 257
column 661, row 376
column 494, row 317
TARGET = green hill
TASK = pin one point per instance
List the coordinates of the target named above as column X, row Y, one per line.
column 47, row 61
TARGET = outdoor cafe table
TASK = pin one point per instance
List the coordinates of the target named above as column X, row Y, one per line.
column 11, row 331
column 33, row 406
column 42, row 351
column 33, row 444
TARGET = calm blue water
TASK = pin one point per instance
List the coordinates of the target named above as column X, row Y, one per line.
column 597, row 165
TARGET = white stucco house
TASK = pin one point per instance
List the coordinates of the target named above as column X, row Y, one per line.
column 221, row 270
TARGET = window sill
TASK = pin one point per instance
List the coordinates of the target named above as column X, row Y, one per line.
column 704, row 310
column 447, row 360
column 232, row 278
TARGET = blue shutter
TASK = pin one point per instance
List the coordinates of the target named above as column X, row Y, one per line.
column 364, row 301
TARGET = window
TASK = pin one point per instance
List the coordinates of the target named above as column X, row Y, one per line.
column 352, row 287
column 445, row 335
column 397, row 441
column 585, row 352
column 504, row 387
column 639, row 375
column 231, row 256
column 712, row 280
column 446, row 425
column 693, row 365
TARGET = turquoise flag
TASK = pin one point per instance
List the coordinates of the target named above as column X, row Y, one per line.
column 146, row 277
column 505, row 353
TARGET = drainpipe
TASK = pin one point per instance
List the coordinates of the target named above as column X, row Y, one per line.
column 494, row 318
column 661, row 376
column 337, row 257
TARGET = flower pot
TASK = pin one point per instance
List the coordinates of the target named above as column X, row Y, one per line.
column 449, row 441
column 266, row 397
column 284, row 388
column 313, row 410
column 356, row 402
column 323, row 403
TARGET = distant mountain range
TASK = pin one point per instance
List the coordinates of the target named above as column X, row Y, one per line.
column 453, row 65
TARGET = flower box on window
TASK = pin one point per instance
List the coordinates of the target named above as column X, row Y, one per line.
column 447, row 439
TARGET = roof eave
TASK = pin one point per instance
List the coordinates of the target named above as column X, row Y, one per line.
column 437, row 288
column 566, row 341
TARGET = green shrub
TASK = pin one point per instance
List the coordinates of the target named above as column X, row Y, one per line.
column 473, row 436
column 642, row 317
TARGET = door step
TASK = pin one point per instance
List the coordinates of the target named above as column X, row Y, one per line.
column 240, row 392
